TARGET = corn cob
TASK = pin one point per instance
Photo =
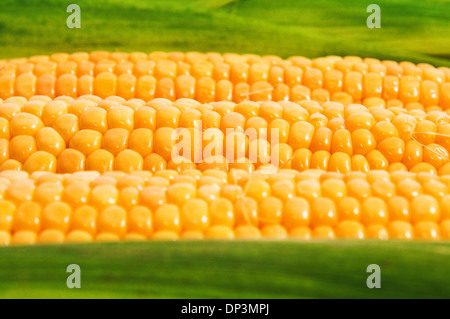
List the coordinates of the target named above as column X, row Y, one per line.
column 213, row 77
column 103, row 167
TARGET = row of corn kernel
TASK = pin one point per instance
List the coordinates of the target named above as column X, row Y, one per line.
column 184, row 112
column 330, row 79
column 201, row 64
column 319, row 74
column 71, row 160
column 356, row 132
column 348, row 229
column 47, row 207
column 408, row 91
column 268, row 110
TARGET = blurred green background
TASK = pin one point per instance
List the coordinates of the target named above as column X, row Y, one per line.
column 410, row 30
column 228, row 269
